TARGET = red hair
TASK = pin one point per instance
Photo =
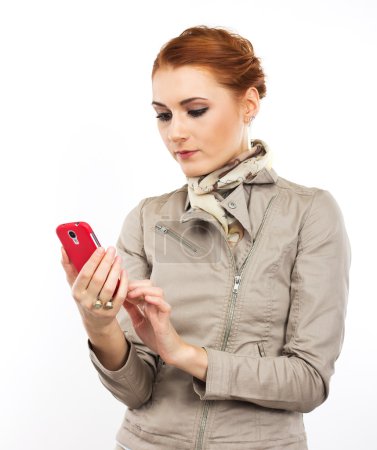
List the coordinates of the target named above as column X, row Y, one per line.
column 228, row 56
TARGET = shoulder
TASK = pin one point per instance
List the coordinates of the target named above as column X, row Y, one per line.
column 322, row 223
column 318, row 205
column 148, row 208
column 322, row 213
column 157, row 201
column 318, row 196
column 294, row 188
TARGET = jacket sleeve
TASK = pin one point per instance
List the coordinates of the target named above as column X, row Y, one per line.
column 298, row 380
column 132, row 383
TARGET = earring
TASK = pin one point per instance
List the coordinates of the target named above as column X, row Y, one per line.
column 251, row 119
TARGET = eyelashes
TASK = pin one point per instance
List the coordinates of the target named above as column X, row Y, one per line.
column 165, row 117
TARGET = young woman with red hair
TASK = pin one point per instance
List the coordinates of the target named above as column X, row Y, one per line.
column 234, row 286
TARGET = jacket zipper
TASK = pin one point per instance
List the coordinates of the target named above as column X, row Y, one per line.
column 230, row 314
column 177, row 237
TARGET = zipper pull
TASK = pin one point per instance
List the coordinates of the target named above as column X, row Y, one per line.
column 237, row 281
column 162, row 228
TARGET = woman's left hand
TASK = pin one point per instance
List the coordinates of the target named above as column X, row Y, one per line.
column 152, row 323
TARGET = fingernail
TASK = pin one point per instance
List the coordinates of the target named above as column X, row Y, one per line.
column 100, row 250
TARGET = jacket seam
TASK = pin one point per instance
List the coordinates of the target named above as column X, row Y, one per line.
column 295, row 438
column 297, row 297
column 132, row 390
column 143, row 203
column 307, row 214
column 222, row 324
column 270, row 295
column 138, row 431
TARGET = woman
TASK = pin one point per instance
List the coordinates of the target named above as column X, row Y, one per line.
column 234, row 286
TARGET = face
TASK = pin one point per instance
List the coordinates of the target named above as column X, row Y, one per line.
column 195, row 113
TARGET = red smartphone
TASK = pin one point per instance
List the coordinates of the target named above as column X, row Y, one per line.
column 79, row 241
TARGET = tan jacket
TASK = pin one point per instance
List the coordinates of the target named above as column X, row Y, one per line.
column 270, row 315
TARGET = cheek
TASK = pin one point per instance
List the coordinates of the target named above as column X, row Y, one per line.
column 223, row 127
column 163, row 132
column 164, row 136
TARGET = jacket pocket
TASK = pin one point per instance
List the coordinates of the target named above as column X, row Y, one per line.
column 157, row 379
column 167, row 231
column 261, row 348
column 160, row 365
column 254, row 349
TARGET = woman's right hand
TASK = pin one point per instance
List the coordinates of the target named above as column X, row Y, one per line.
column 97, row 278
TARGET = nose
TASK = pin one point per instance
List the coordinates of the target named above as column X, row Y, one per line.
column 177, row 130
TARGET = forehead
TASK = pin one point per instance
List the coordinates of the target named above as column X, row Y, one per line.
column 174, row 84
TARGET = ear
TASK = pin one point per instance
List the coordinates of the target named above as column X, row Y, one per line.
column 250, row 103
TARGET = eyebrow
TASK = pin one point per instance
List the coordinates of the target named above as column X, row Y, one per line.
column 183, row 102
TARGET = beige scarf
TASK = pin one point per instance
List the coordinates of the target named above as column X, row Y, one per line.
column 241, row 169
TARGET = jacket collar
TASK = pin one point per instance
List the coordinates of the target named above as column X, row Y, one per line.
column 264, row 176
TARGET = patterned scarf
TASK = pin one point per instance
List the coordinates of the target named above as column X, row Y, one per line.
column 241, row 169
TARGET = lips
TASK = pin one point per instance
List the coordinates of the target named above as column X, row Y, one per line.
column 184, row 154
column 186, row 151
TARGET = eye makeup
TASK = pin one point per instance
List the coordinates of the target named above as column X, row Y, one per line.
column 165, row 117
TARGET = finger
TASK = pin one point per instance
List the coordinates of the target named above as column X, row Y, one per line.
column 101, row 272
column 87, row 271
column 65, row 258
column 157, row 301
column 69, row 268
column 107, row 290
column 122, row 290
column 137, row 295
column 145, row 290
column 118, row 298
column 133, row 301
column 136, row 283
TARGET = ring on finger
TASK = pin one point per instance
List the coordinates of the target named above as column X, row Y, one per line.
column 109, row 304
column 98, row 303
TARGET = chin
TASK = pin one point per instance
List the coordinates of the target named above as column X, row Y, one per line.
column 196, row 170
column 192, row 173
column 189, row 173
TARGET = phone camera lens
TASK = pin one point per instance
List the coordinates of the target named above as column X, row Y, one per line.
column 72, row 234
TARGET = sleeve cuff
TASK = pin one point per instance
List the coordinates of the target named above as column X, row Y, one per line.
column 217, row 382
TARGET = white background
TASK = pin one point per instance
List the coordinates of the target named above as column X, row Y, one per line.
column 79, row 141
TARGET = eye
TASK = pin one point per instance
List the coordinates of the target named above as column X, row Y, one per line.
column 164, row 117
column 197, row 112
